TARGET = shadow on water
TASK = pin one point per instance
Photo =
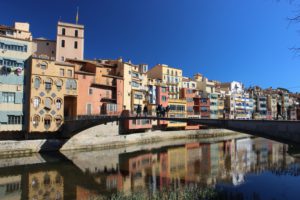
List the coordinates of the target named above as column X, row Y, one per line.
column 248, row 168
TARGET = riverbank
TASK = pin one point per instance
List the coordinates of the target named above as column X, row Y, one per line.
column 106, row 138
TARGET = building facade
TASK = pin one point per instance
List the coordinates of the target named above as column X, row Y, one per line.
column 53, row 91
column 15, row 50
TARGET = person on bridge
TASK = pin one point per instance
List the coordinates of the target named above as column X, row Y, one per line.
column 157, row 111
column 163, row 111
column 138, row 110
column 145, row 111
column 167, row 110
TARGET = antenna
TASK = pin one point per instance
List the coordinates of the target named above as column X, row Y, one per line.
column 77, row 15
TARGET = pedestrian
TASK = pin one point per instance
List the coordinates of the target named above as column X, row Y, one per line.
column 163, row 111
column 157, row 111
column 138, row 111
column 167, row 110
column 145, row 111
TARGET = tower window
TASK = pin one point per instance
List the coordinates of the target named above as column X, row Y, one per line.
column 63, row 43
column 76, row 33
column 75, row 44
column 63, row 31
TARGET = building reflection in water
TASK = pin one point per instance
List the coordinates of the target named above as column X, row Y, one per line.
column 86, row 175
column 45, row 185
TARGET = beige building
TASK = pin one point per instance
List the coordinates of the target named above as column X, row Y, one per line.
column 43, row 47
column 52, row 94
column 272, row 105
column 135, row 83
column 15, row 50
column 205, row 85
column 69, row 41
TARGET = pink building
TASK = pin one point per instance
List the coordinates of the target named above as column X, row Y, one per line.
column 100, row 91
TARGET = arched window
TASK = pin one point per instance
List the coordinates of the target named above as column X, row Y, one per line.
column 58, row 179
column 35, row 183
column 58, row 104
column 59, row 83
column 47, row 121
column 48, row 103
column 36, row 120
column 58, row 120
column 48, row 84
column 36, row 102
column 47, row 179
column 63, row 31
column 63, row 43
column 37, row 82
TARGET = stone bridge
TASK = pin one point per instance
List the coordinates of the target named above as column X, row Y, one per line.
column 286, row 131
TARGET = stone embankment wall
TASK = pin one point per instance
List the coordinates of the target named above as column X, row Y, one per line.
column 104, row 136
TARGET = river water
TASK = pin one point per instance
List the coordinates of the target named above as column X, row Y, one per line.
column 239, row 168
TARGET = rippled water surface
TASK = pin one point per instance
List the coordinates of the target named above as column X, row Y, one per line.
column 237, row 168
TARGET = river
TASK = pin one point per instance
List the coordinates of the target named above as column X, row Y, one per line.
column 238, row 168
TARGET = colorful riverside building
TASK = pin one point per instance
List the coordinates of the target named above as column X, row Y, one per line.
column 208, row 89
column 157, row 95
column 100, row 89
column 238, row 104
column 15, row 50
column 134, row 92
column 52, row 85
column 53, row 94
column 189, row 92
column 172, row 77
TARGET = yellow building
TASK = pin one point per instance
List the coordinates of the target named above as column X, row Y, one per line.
column 177, row 109
column 170, row 76
column 53, row 94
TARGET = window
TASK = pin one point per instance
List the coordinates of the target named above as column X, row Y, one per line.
column 36, row 102
column 164, row 98
column 37, row 82
column 35, row 120
column 63, row 43
column 90, row 91
column 48, row 84
column 69, row 73
column 58, row 104
column 76, row 33
column 75, row 45
column 61, row 72
column 59, row 84
column 48, row 103
column 63, row 31
column 163, row 89
column 89, row 109
column 47, row 121
column 58, row 120
column 62, row 58
column 14, row 119
column 8, row 97
column 43, row 65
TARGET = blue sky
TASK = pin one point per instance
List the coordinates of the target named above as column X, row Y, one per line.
column 243, row 40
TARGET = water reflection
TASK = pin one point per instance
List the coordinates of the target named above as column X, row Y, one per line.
column 237, row 167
